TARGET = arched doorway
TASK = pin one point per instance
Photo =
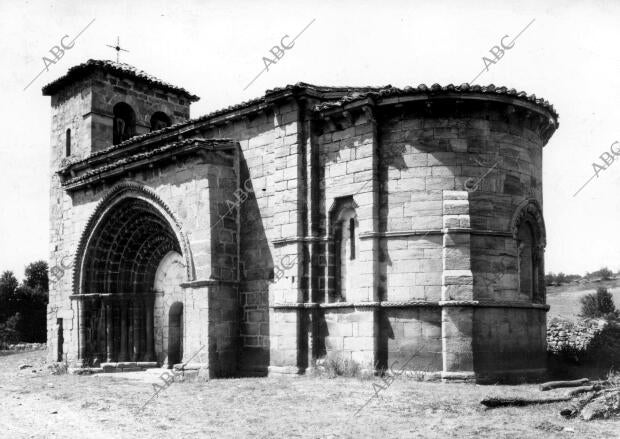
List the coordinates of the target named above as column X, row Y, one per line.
column 175, row 334
column 118, row 270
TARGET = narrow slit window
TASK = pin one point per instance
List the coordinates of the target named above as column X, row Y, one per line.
column 68, row 143
column 352, row 237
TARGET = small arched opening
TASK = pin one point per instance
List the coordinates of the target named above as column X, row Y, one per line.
column 124, row 123
column 68, row 142
column 160, row 120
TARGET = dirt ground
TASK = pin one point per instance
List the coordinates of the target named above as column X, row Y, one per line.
column 35, row 404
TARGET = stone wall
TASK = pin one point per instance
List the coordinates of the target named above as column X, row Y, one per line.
column 259, row 143
column 196, row 194
column 108, row 90
column 438, row 191
column 509, row 342
column 565, row 336
column 438, row 185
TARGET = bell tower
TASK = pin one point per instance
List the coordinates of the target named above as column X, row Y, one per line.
column 99, row 104
column 95, row 106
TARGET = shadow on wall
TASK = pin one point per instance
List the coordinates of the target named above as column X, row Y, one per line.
column 256, row 272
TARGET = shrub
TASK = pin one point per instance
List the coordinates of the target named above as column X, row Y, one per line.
column 8, row 334
column 335, row 366
column 599, row 304
column 58, row 368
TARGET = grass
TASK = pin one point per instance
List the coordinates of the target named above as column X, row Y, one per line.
column 565, row 299
column 297, row 407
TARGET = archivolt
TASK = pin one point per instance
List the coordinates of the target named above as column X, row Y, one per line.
column 130, row 223
column 530, row 209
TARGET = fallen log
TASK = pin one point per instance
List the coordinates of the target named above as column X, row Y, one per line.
column 583, row 389
column 558, row 384
column 604, row 406
column 576, row 405
column 520, row 402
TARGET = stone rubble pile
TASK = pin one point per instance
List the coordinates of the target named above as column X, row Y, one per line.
column 26, row 346
column 563, row 336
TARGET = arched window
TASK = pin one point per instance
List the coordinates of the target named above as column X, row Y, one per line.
column 528, row 230
column 68, row 142
column 124, row 123
column 344, row 226
column 528, row 276
column 352, row 238
column 159, row 120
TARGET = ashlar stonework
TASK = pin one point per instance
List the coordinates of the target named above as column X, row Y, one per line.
column 386, row 226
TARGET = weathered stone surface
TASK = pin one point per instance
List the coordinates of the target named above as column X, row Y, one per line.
column 372, row 232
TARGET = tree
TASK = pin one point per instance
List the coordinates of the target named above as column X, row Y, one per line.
column 36, row 276
column 31, row 299
column 599, row 304
column 560, row 278
column 31, row 304
column 8, row 287
column 605, row 273
column 572, row 277
column 23, row 308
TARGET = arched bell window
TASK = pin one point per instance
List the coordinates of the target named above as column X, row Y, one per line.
column 159, row 120
column 124, row 123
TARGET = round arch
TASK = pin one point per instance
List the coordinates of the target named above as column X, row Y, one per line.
column 530, row 210
column 159, row 120
column 124, row 123
column 528, row 231
column 130, row 212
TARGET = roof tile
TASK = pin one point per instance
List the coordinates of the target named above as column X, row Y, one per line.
column 122, row 69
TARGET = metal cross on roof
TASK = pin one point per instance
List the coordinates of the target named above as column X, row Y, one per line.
column 118, row 48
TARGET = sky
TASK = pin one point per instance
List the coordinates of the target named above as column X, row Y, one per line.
column 568, row 55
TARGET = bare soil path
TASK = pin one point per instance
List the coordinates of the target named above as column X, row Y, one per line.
column 39, row 405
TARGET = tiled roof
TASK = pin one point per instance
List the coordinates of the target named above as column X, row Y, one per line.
column 437, row 89
column 339, row 91
column 121, row 69
column 340, row 96
column 123, row 161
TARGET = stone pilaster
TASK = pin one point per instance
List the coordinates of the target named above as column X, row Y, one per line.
column 289, row 324
column 457, row 293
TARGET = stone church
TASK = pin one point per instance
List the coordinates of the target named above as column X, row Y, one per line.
column 397, row 228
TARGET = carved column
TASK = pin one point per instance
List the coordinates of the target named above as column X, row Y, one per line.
column 136, row 308
column 149, row 303
column 123, row 348
column 109, row 329
column 100, row 334
column 82, row 330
